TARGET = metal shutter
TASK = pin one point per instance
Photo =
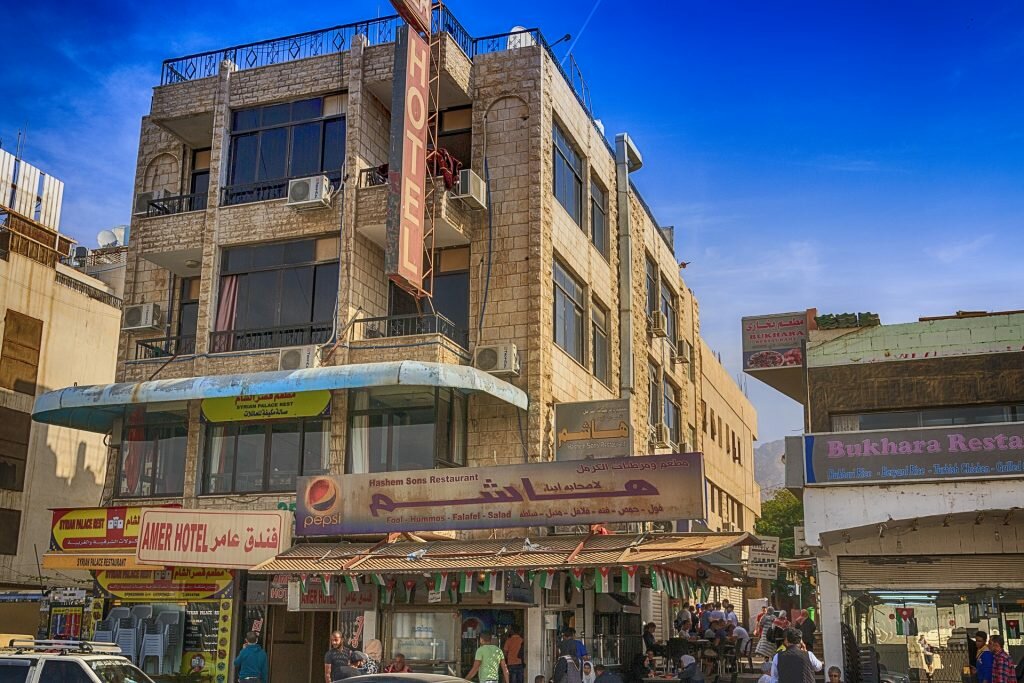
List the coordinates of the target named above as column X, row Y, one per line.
column 956, row 572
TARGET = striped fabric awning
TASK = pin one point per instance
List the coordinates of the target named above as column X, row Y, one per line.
column 671, row 551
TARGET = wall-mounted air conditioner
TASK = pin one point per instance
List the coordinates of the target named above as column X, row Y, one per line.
column 309, row 193
column 472, row 189
column 143, row 199
column 663, row 527
column 298, row 358
column 499, row 359
column 659, row 325
column 682, row 351
column 141, row 317
column 660, row 437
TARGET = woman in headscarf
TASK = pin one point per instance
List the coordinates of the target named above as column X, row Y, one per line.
column 588, row 673
column 374, row 651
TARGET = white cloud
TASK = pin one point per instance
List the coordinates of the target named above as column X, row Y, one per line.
column 956, row 251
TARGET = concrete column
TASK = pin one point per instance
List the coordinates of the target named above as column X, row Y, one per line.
column 831, row 610
column 535, row 636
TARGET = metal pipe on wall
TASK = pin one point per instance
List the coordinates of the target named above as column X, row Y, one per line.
column 627, row 160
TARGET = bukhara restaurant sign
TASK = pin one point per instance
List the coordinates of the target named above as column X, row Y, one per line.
column 212, row 538
column 654, row 487
column 287, row 404
column 774, row 341
column 986, row 451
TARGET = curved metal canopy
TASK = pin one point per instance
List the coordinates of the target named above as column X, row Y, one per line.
column 94, row 408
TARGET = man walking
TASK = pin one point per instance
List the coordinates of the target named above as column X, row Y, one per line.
column 983, row 665
column 488, row 660
column 513, row 650
column 794, row 664
column 1003, row 670
column 807, row 629
column 251, row 662
column 336, row 659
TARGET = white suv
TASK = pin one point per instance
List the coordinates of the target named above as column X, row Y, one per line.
column 66, row 661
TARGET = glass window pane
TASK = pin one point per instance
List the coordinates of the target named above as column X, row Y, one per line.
column 220, row 458
column 444, row 433
column 275, row 114
column 268, row 255
column 325, row 292
column 314, row 448
column 296, row 295
column 285, row 441
column 137, row 453
column 368, row 444
column 170, row 465
column 300, row 251
column 245, row 119
column 412, row 439
column 458, row 429
column 249, row 457
column 898, row 420
column 334, row 145
column 451, row 298
column 243, row 159
column 273, row 154
column 257, row 300
column 307, row 109
column 305, row 149
column 188, row 318
column 236, row 260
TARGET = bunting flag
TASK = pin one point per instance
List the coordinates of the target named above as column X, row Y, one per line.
column 671, row 584
column 487, row 583
column 656, row 583
column 547, row 578
column 453, row 593
column 326, row 585
column 576, row 576
column 705, row 588
column 466, row 582
column 603, row 580
column 521, row 575
column 378, row 580
column 351, row 583
column 304, row 583
column 440, row 581
column 629, row 578
column 410, row 586
column 389, row 592
column 691, row 592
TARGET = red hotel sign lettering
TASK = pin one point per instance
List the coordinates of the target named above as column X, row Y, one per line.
column 416, row 12
column 407, row 162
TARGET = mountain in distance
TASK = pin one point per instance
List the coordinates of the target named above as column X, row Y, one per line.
column 769, row 470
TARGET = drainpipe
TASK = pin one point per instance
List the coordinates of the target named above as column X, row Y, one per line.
column 627, row 160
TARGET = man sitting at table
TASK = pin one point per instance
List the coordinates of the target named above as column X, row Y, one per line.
column 650, row 640
column 606, row 676
column 738, row 635
column 717, row 633
column 689, row 671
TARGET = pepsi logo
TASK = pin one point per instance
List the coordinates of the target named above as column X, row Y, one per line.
column 321, row 495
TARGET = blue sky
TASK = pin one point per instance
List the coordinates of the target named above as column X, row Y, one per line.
column 846, row 155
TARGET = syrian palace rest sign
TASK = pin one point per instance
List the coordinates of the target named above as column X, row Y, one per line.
column 988, row 451
column 654, row 487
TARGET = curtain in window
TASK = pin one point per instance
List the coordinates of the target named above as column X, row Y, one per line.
column 135, row 447
column 360, row 438
column 227, row 303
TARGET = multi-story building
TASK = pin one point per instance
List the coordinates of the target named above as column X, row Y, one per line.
column 58, row 327
column 910, row 474
column 553, row 284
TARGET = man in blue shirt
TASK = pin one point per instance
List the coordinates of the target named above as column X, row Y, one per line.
column 251, row 662
column 984, row 662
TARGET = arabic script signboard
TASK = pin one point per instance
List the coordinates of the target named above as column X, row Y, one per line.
column 266, row 406
column 212, row 538
column 643, row 488
column 172, row 585
column 988, row 451
column 110, row 528
column 764, row 558
column 592, row 429
column 774, row 341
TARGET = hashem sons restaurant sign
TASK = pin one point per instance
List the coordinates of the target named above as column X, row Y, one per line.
column 654, row 487
column 988, row 451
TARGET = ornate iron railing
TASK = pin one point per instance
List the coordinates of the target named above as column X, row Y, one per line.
column 372, row 177
column 266, row 190
column 407, row 325
column 181, row 204
column 165, row 347
column 270, row 337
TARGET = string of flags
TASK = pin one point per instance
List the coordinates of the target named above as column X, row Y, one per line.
column 677, row 585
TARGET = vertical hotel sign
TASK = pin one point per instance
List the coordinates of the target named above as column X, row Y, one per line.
column 407, row 167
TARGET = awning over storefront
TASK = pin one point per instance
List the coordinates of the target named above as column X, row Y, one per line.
column 673, row 551
column 94, row 408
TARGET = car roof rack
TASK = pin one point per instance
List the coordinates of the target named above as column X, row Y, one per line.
column 23, row 645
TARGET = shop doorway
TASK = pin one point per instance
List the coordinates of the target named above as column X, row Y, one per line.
column 298, row 641
column 500, row 623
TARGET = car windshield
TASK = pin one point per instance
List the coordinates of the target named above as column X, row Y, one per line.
column 14, row 670
column 114, row 671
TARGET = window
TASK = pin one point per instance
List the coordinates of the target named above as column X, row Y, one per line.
column 671, row 404
column 668, row 307
column 277, row 294
column 450, row 298
column 728, row 441
column 929, row 417
column 153, row 447
column 737, row 455
column 263, row 457
column 691, row 367
column 286, row 140
column 15, row 428
column 714, row 427
column 398, row 428
column 599, row 333
column 456, row 133
column 653, row 392
column 599, row 217
column 704, row 415
column 199, row 185
column 568, row 175
column 721, row 433
column 19, row 353
column 63, row 671
column 568, row 312
column 10, row 530
column 691, row 444
column 652, row 285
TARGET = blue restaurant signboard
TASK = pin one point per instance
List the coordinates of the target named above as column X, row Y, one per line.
column 930, row 454
column 632, row 489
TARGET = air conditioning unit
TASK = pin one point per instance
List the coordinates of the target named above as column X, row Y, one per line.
column 660, row 437
column 298, row 358
column 141, row 317
column 500, row 359
column 472, row 189
column 309, row 193
column 659, row 325
column 728, row 526
column 143, row 199
column 682, row 351
column 663, row 527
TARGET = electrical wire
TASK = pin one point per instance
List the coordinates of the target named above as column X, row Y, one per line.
column 490, row 253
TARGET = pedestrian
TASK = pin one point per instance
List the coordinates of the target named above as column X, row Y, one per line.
column 251, row 662
column 740, row 636
column 765, row 647
column 651, row 641
column 603, row 675
column 397, row 665
column 834, row 675
column 794, row 664
column 588, row 673
column 336, row 658
column 1003, row 670
column 513, row 650
column 983, row 664
column 807, row 629
column 374, row 652
column 683, row 616
column 758, row 628
column 730, row 614
column 488, row 661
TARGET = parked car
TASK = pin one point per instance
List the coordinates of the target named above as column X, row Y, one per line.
column 886, row 676
column 66, row 661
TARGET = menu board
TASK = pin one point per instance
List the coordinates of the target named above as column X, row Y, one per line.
column 201, row 621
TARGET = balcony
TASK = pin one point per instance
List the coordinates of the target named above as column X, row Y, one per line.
column 184, row 203
column 430, row 337
column 267, row 190
column 165, row 347
column 454, row 221
column 270, row 337
column 406, row 325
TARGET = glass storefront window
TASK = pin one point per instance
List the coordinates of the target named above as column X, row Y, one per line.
column 930, row 417
column 153, row 447
column 423, row 636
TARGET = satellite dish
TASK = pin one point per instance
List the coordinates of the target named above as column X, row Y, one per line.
column 519, row 36
column 120, row 232
column 107, row 238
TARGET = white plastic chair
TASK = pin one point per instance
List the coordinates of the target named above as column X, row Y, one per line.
column 154, row 644
column 104, row 632
column 127, row 639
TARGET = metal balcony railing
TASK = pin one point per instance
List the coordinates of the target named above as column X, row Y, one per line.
column 406, row 325
column 88, row 290
column 181, row 204
column 165, row 347
column 266, row 190
column 270, row 337
column 372, row 177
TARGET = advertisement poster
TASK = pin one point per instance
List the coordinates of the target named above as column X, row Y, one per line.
column 764, row 558
column 266, row 406
column 95, row 528
column 207, row 640
column 212, row 538
column 642, row 488
column 66, row 621
column 774, row 341
column 592, row 429
column 171, row 585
